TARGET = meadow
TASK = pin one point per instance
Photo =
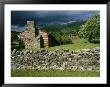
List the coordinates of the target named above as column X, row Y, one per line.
column 54, row 73
column 78, row 44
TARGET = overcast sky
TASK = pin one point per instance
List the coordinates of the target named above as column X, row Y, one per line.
column 18, row 18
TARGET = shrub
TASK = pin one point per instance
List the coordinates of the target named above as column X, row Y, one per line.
column 91, row 29
column 95, row 41
column 62, row 38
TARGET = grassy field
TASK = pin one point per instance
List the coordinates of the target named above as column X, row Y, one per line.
column 77, row 45
column 54, row 73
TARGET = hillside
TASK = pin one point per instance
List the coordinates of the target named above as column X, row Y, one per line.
column 63, row 28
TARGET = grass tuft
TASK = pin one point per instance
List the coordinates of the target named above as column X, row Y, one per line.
column 53, row 73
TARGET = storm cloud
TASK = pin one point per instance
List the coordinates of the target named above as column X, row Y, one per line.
column 19, row 18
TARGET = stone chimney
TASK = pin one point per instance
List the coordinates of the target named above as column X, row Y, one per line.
column 31, row 24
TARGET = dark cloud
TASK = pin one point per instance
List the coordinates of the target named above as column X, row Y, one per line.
column 19, row 18
column 18, row 28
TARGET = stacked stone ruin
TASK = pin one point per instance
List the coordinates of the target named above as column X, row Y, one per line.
column 31, row 37
column 85, row 59
column 45, row 38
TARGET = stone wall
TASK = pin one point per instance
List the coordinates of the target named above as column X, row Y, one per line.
column 28, row 36
column 31, row 42
column 45, row 38
column 32, row 37
column 85, row 59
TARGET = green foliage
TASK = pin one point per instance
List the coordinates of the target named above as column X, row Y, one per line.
column 66, row 28
column 14, row 36
column 53, row 73
column 77, row 45
column 95, row 41
column 62, row 38
column 91, row 29
column 15, row 41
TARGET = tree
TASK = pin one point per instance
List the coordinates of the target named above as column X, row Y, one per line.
column 91, row 29
column 62, row 38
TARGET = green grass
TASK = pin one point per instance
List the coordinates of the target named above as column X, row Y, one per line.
column 77, row 45
column 54, row 73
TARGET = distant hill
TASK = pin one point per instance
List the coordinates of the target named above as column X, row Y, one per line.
column 63, row 28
